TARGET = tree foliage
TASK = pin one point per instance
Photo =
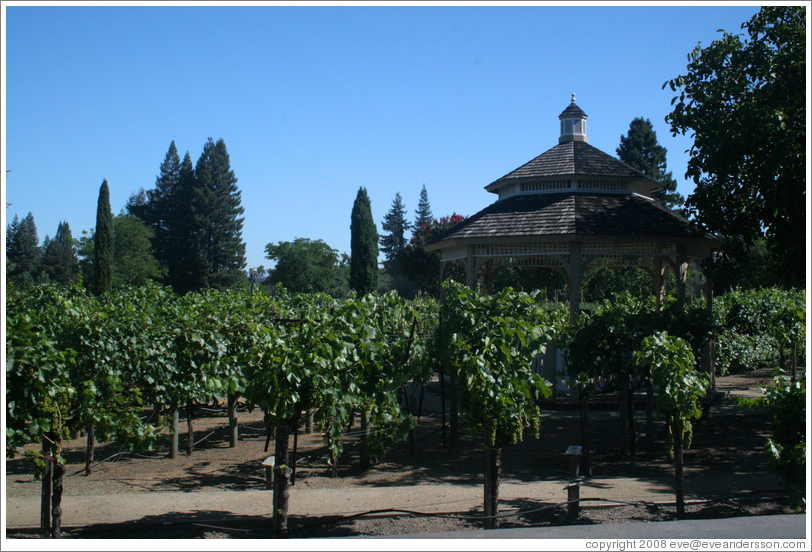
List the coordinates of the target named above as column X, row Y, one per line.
column 640, row 149
column 422, row 215
column 219, row 250
column 395, row 226
column 104, row 243
column 422, row 267
column 195, row 215
column 364, row 246
column 23, row 253
column 785, row 401
column 743, row 98
column 670, row 362
column 59, row 261
column 304, row 266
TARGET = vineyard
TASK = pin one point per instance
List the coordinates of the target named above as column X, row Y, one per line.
column 123, row 367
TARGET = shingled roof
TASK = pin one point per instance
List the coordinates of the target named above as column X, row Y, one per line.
column 572, row 213
column 572, row 159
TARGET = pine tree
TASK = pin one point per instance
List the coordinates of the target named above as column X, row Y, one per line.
column 163, row 206
column 393, row 243
column 12, row 231
column 103, row 243
column 216, row 213
column 423, row 217
column 364, row 246
column 189, row 267
column 22, row 249
column 640, row 149
column 59, row 261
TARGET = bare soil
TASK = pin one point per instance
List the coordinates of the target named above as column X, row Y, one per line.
column 728, row 442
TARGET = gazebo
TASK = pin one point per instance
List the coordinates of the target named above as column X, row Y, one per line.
column 573, row 208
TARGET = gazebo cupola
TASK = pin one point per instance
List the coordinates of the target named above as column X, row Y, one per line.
column 573, row 124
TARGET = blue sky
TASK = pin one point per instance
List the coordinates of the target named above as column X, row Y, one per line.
column 314, row 102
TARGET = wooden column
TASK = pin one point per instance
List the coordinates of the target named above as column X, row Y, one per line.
column 681, row 270
column 711, row 360
column 575, row 270
column 470, row 268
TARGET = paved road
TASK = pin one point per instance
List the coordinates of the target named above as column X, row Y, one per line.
column 763, row 527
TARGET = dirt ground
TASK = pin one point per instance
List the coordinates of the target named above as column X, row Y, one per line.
column 729, row 442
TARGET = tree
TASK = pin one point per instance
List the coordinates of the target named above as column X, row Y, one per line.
column 303, row 265
column 189, row 269
column 785, row 400
column 22, row 249
column 364, row 246
column 640, row 149
column 486, row 343
column 671, row 364
column 133, row 259
column 104, row 241
column 604, row 283
column 134, row 263
column 744, row 101
column 59, row 260
column 423, row 215
column 396, row 225
column 216, row 210
column 194, row 213
column 422, row 267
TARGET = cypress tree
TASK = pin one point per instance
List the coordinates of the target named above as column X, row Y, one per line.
column 364, row 246
column 393, row 243
column 103, row 243
column 423, row 217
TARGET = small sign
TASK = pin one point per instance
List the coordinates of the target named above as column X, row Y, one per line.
column 573, row 450
column 270, row 461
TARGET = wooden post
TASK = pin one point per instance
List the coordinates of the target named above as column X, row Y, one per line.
column 268, row 464
column 454, row 407
column 493, row 474
column 649, row 415
column 676, row 432
column 442, row 402
column 233, row 428
column 173, row 444
column 365, row 454
column 574, row 454
column 56, row 498
column 281, row 484
column 309, row 421
column 574, row 498
column 45, row 501
column 190, row 445
column 623, row 392
column 89, row 447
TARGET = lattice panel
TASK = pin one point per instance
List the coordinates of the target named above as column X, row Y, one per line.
column 527, row 262
column 520, row 249
column 610, row 249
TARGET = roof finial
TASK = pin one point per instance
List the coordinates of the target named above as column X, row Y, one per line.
column 573, row 98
